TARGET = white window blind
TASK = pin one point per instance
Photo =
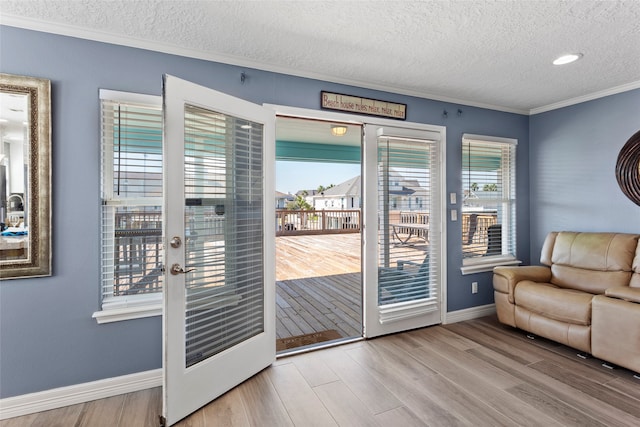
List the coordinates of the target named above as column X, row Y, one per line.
column 489, row 206
column 224, row 230
column 409, row 218
column 131, row 196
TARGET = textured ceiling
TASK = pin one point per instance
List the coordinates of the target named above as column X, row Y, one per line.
column 488, row 53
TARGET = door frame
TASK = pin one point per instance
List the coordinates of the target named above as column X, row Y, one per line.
column 370, row 250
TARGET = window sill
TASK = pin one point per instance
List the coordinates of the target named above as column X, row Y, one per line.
column 481, row 267
column 118, row 309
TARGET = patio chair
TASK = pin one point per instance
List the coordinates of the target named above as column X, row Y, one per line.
column 494, row 240
column 400, row 284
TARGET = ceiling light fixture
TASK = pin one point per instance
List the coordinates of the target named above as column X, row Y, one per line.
column 338, row 130
column 567, row 59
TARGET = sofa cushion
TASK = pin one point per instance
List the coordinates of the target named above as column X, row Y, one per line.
column 547, row 248
column 565, row 305
column 615, row 331
column 595, row 251
column 576, row 336
column 626, row 293
column 593, row 262
column 591, row 281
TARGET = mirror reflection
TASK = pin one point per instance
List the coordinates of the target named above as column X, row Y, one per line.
column 14, row 154
column 25, row 176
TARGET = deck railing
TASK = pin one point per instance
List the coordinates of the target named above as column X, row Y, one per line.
column 137, row 253
column 299, row 222
column 413, row 218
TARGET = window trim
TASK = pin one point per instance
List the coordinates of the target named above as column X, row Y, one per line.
column 115, row 309
column 488, row 265
column 479, row 264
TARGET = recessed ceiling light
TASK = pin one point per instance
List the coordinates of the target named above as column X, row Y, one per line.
column 567, row 59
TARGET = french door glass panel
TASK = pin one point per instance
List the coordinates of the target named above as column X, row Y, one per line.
column 408, row 207
column 224, row 232
column 219, row 296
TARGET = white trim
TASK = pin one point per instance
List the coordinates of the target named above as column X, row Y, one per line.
column 584, row 98
column 487, row 266
column 468, row 137
column 129, row 313
column 115, row 309
column 307, row 113
column 406, row 310
column 469, row 313
column 79, row 393
column 130, row 97
column 104, row 37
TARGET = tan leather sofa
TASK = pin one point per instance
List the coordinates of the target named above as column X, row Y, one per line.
column 586, row 294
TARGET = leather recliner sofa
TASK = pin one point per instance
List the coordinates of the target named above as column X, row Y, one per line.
column 586, row 294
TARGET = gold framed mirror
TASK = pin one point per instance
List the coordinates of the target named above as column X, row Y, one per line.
column 25, row 176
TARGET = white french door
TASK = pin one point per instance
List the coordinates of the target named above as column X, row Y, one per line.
column 219, row 296
column 403, row 206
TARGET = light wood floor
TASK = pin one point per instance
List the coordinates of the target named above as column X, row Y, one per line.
column 474, row 373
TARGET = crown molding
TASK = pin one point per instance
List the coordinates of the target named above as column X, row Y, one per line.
column 105, row 37
column 584, row 98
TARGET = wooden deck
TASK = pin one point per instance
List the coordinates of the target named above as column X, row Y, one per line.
column 318, row 285
column 319, row 282
column 317, row 304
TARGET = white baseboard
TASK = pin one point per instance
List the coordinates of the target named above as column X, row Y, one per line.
column 469, row 313
column 71, row 395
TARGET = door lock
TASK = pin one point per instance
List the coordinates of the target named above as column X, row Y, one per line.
column 177, row 269
column 175, row 242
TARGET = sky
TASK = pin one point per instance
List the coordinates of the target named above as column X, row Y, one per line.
column 294, row 176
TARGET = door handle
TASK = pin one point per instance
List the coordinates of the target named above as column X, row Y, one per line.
column 177, row 269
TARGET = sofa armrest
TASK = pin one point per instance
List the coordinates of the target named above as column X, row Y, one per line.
column 625, row 293
column 505, row 278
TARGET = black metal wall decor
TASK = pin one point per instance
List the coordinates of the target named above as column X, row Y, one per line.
column 628, row 168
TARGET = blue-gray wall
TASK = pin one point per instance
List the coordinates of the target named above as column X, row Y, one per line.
column 573, row 154
column 47, row 336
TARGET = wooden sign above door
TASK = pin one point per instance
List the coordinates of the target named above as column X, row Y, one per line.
column 356, row 104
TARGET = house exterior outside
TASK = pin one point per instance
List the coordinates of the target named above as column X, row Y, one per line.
column 345, row 196
column 405, row 194
column 282, row 199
